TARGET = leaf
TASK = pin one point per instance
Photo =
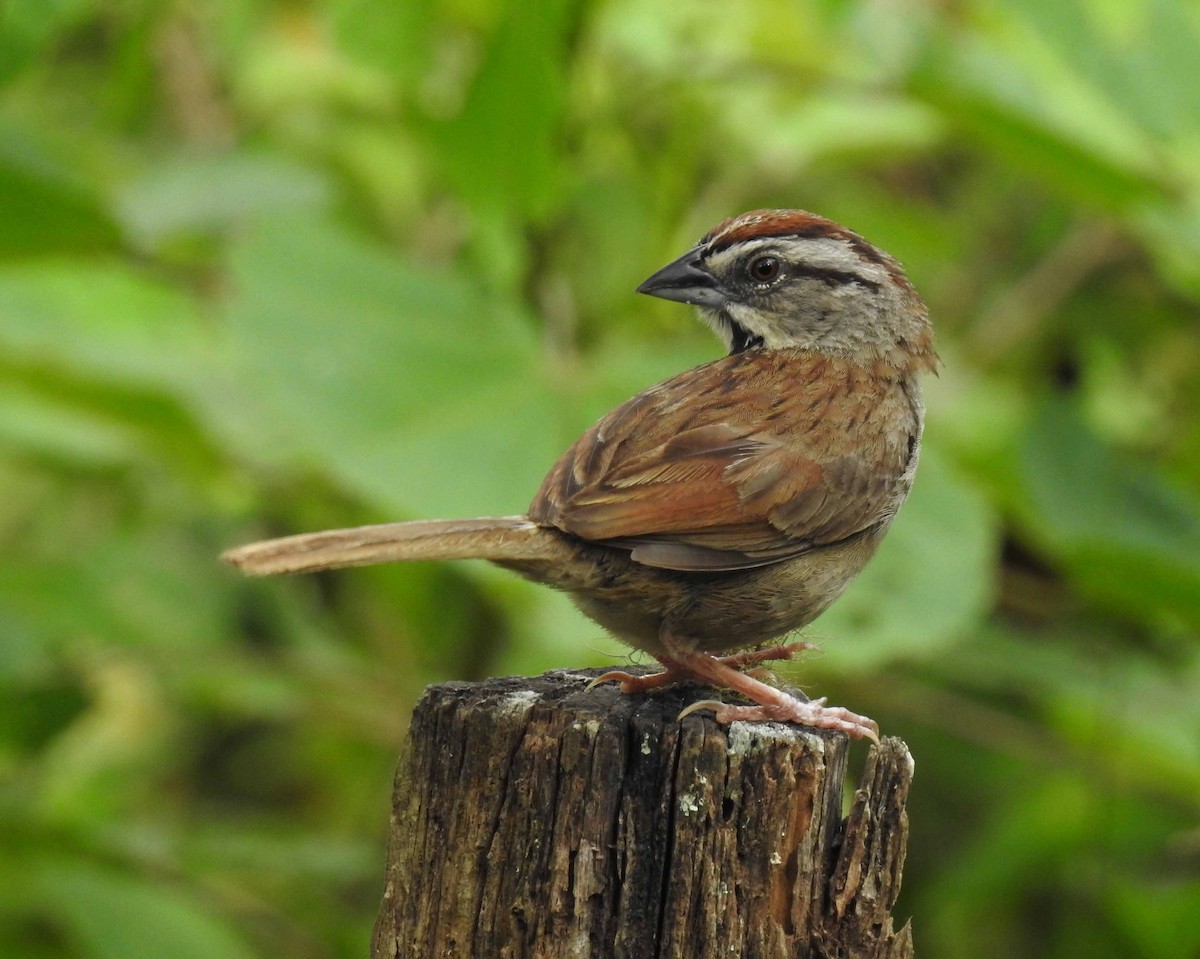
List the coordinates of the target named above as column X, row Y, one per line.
column 1130, row 539
column 203, row 193
column 1020, row 140
column 407, row 386
column 100, row 321
column 111, row 915
column 501, row 150
column 1032, row 89
column 393, row 37
column 1159, row 913
column 147, row 589
column 48, row 426
column 46, row 209
column 28, row 26
column 786, row 135
column 1134, row 712
column 929, row 585
column 1140, row 60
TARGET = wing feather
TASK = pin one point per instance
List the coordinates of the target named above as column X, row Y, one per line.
column 733, row 479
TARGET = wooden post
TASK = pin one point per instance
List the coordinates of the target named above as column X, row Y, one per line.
column 532, row 818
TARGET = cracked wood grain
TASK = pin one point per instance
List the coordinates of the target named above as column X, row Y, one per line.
column 532, row 818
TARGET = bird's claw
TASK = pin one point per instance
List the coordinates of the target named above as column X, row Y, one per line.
column 714, row 704
column 612, row 676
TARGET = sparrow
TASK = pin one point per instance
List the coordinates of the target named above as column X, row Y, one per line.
column 716, row 512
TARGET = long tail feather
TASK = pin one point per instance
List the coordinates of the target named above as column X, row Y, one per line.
column 497, row 538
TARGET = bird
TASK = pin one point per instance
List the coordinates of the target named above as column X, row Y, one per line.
column 713, row 514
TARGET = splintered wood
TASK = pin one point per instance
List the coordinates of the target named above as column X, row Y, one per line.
column 532, row 818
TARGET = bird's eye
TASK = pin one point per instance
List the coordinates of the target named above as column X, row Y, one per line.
column 764, row 269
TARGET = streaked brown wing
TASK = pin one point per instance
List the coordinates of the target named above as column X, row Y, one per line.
column 705, row 472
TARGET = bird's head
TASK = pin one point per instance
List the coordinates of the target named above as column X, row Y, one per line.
column 777, row 279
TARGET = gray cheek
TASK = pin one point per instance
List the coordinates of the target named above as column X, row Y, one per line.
column 815, row 315
column 817, row 318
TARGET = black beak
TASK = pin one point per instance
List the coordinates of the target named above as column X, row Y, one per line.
column 686, row 281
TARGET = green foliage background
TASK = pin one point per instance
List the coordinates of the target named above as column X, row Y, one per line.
column 269, row 266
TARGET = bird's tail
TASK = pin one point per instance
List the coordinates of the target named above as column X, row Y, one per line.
column 501, row 539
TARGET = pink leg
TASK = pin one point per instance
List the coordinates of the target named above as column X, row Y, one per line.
column 675, row 672
column 773, row 704
column 752, row 657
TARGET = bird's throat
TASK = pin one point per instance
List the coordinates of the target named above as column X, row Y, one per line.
column 740, row 338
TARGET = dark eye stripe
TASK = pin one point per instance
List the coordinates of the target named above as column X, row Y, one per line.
column 833, row 277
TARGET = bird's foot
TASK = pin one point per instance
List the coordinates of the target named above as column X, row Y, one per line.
column 637, row 684
column 812, row 713
column 771, row 703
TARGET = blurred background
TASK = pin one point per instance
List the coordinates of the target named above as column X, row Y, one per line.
column 268, row 267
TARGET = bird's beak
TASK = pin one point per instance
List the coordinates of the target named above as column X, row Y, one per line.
column 686, row 280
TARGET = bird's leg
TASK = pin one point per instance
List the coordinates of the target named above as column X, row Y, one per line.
column 752, row 657
column 773, row 704
column 676, row 672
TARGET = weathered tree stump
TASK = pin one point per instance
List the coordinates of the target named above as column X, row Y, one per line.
column 534, row 819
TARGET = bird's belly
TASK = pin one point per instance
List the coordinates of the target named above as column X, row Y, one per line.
column 720, row 611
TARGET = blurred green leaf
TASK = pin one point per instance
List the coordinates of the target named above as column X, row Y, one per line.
column 391, row 36
column 500, row 150
column 418, row 399
column 1023, row 141
column 211, row 192
column 1131, row 539
column 1085, row 686
column 783, row 133
column 46, row 426
column 110, row 915
column 100, row 321
column 27, row 27
column 1089, row 135
column 1163, row 923
column 138, row 590
column 930, row 584
column 45, row 209
column 1061, row 835
column 1140, row 59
